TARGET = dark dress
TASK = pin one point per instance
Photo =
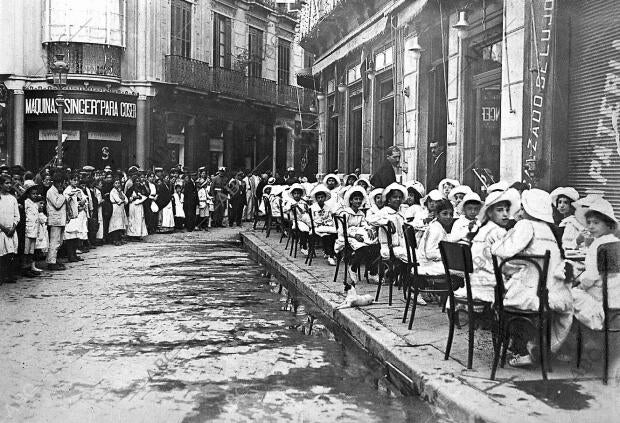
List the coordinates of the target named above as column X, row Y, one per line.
column 189, row 205
column 384, row 176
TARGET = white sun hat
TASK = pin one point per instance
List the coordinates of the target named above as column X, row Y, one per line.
column 470, row 197
column 331, row 175
column 461, row 189
column 434, row 195
column 373, row 194
column 321, row 189
column 537, row 203
column 394, row 187
column 416, row 186
column 452, row 182
column 353, row 190
column 511, row 195
column 598, row 204
column 498, row 186
column 569, row 192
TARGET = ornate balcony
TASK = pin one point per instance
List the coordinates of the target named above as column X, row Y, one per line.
column 87, row 59
column 199, row 75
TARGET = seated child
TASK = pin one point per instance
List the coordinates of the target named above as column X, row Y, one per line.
column 375, row 204
column 323, row 220
column 493, row 217
column 446, row 186
column 360, row 234
column 600, row 220
column 564, row 216
column 294, row 206
column 427, row 252
column 412, row 207
column 467, row 210
column 533, row 235
column 456, row 196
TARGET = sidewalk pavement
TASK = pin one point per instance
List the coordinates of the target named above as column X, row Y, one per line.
column 517, row 395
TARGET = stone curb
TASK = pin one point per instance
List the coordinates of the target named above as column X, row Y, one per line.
column 461, row 401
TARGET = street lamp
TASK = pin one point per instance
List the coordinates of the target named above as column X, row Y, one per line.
column 59, row 69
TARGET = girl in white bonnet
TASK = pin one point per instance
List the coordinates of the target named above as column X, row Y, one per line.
column 533, row 235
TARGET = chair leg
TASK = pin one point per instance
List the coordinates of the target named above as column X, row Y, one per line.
column 606, row 354
column 451, row 314
column 378, row 288
column 542, row 347
column 391, row 280
column 338, row 259
column 498, row 346
column 506, row 341
column 470, row 350
column 414, row 303
column 296, row 245
column 579, row 345
column 548, row 346
column 407, row 304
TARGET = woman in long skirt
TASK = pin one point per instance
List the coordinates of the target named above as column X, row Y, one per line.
column 118, row 221
column 137, row 223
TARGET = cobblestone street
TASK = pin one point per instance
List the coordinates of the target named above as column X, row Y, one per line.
column 178, row 328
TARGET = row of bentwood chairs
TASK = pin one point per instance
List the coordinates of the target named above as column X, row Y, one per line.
column 458, row 266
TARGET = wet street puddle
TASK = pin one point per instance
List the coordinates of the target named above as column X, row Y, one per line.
column 182, row 332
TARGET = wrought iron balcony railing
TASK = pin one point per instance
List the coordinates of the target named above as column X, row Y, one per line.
column 200, row 76
column 87, row 59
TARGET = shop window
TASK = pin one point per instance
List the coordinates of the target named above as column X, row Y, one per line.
column 255, row 49
column 181, row 28
column 486, row 57
column 284, row 62
column 332, row 135
column 384, row 119
column 331, row 85
column 354, row 74
column 308, row 59
column 354, row 142
column 221, row 41
column 384, row 58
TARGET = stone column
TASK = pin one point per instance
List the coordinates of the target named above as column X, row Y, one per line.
column 18, row 127
column 274, row 151
column 141, row 117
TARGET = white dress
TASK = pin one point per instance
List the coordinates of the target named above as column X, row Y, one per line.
column 388, row 214
column 9, row 216
column 588, row 295
column 427, row 252
column 118, row 221
column 356, row 225
column 75, row 227
column 323, row 219
column 137, row 225
column 167, row 216
column 483, row 277
column 534, row 237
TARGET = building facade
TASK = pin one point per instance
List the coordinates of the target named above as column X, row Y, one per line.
column 156, row 83
column 513, row 90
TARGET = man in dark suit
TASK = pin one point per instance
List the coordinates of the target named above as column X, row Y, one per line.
column 437, row 168
column 386, row 173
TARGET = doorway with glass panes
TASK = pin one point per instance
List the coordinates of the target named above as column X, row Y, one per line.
column 354, row 133
column 483, row 129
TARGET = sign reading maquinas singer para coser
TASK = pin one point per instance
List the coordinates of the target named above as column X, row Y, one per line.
column 40, row 105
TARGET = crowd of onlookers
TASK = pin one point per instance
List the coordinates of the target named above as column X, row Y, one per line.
column 509, row 220
column 59, row 212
